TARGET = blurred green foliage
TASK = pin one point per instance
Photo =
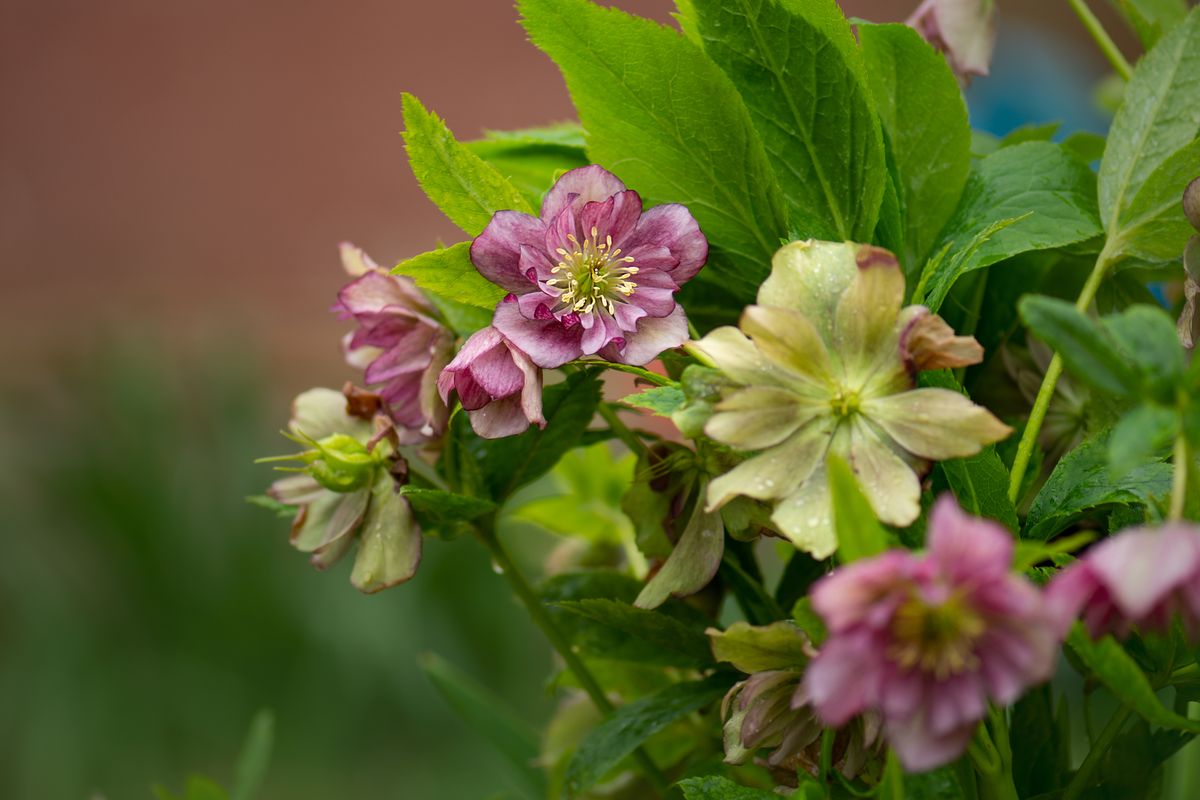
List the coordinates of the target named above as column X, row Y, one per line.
column 147, row 611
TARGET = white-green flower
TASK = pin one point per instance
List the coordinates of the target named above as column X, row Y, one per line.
column 826, row 363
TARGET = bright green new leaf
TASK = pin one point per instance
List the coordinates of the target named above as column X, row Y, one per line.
column 562, row 134
column 252, row 763
column 714, row 787
column 632, row 724
column 672, row 641
column 797, row 67
column 449, row 272
column 465, row 187
column 923, row 113
column 1043, row 192
column 1157, row 118
column 662, row 400
column 1031, row 552
column 859, row 533
column 668, row 122
column 1150, row 19
column 1088, row 352
column 751, row 648
column 489, row 716
column 529, row 165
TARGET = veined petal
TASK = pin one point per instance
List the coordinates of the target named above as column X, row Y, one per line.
column 499, row 418
column 786, row 337
column 318, row 413
column 778, row 471
column 888, row 482
column 936, row 423
column 811, row 277
column 867, row 312
column 758, row 417
column 390, row 545
column 693, row 562
column 805, row 516
column 653, row 336
column 927, row 342
column 579, row 187
column 673, row 227
column 616, row 217
column 548, row 342
column 736, row 356
column 496, row 253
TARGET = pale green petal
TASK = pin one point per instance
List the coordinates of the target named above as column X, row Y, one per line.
column 736, row 356
column 390, row 547
column 758, row 417
column 318, row 413
column 777, row 472
column 693, row 562
column 805, row 517
column 865, row 330
column 810, row 277
column 936, row 423
column 786, row 337
column 888, row 482
column 329, row 518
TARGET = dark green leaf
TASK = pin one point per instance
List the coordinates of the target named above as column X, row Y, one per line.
column 1082, row 481
column 632, row 724
column 922, row 111
column 1087, row 145
column 1149, row 338
column 662, row 400
column 491, row 718
column 670, row 123
column 858, row 531
column 252, row 763
column 462, row 318
column 670, row 641
column 465, row 187
column 450, row 273
column 1088, row 352
column 446, row 506
column 1151, row 18
column 1045, row 188
column 1041, row 743
column 714, row 787
column 1142, row 435
column 802, row 77
column 801, row 572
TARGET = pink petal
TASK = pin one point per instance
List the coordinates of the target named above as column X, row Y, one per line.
column 673, row 227
column 653, row 336
column 578, row 187
column 966, row 547
column 840, row 681
column 1142, row 568
column 548, row 343
column 616, row 217
column 496, row 252
column 920, row 749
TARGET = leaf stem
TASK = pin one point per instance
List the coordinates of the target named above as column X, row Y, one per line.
column 1041, row 404
column 641, row 372
column 1103, row 40
column 1083, row 775
column 1181, row 462
column 620, row 429
column 537, row 611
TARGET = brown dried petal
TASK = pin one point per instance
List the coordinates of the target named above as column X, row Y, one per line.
column 929, row 343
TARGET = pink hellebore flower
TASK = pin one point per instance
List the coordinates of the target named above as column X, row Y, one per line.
column 1141, row 577
column 497, row 384
column 925, row 640
column 399, row 343
column 594, row 275
column 965, row 30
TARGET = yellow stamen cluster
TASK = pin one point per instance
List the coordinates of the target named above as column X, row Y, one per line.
column 937, row 638
column 591, row 273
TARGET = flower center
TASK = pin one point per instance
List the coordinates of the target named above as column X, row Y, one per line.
column 592, row 274
column 938, row 638
column 845, row 403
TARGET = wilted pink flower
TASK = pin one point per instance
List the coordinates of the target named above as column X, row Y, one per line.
column 1142, row 577
column 497, row 384
column 965, row 30
column 925, row 640
column 398, row 342
column 594, row 275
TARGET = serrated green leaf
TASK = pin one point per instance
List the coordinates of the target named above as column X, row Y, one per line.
column 1154, row 227
column 1047, row 192
column 1156, row 120
column 1082, row 482
column 462, row 318
column 671, row 641
column 750, row 648
column 858, row 531
column 1113, row 667
column 489, row 717
column 465, row 187
column 922, row 111
column 1088, row 352
column 255, row 757
column 1142, row 435
column 801, row 75
column 449, row 273
column 662, row 400
column 443, row 506
column 632, row 724
column 530, row 166
column 714, row 787
column 667, row 121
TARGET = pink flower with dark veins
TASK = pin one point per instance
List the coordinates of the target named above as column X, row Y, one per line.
column 594, row 275
column 1142, row 576
column 927, row 639
column 398, row 342
column 497, row 384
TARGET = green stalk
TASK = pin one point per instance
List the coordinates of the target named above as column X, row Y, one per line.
column 640, row 372
column 620, row 429
column 1041, row 404
column 1181, row 462
column 1103, row 40
column 1083, row 775
column 541, row 617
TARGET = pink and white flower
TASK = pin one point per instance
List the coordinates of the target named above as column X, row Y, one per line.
column 497, row 384
column 594, row 275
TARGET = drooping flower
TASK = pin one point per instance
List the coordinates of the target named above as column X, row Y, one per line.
column 925, row 640
column 965, row 30
column 594, row 275
column 1143, row 577
column 826, row 363
column 497, row 384
column 399, row 343
column 1189, row 320
column 348, row 491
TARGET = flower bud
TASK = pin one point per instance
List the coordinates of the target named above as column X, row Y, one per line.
column 1191, row 203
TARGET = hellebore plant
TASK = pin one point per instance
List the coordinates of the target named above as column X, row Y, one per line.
column 775, row 344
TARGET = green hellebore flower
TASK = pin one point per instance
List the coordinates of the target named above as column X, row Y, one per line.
column 826, row 363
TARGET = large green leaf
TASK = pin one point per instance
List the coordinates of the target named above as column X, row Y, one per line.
column 529, row 164
column 489, row 717
column 859, row 533
column 1154, row 227
column 632, row 724
column 1045, row 194
column 449, row 273
column 1157, row 118
column 668, row 640
column 465, row 187
column 714, row 787
column 1083, row 481
column 1150, row 19
column 1088, row 352
column 665, row 119
column 802, row 77
column 923, row 113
